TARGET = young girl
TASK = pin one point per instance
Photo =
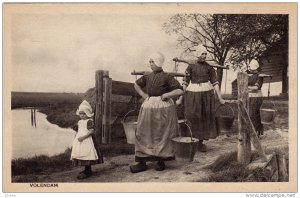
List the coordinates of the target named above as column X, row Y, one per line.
column 84, row 152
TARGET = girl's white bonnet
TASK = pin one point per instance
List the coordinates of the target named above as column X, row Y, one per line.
column 86, row 108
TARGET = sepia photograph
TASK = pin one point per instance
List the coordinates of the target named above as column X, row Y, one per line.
column 149, row 97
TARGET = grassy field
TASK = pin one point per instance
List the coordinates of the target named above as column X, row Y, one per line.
column 39, row 99
column 26, row 169
column 59, row 107
column 41, row 164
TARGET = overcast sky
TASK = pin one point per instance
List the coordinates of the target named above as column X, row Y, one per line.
column 60, row 52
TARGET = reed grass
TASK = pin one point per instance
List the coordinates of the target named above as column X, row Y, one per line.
column 41, row 164
column 227, row 169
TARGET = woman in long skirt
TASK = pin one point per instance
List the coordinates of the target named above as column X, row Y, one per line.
column 200, row 86
column 157, row 121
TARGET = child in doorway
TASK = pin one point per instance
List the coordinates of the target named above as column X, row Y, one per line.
column 84, row 152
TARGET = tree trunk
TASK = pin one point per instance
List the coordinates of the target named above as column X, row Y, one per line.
column 220, row 73
column 285, row 81
column 220, row 76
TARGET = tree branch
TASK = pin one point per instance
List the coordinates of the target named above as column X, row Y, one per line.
column 202, row 27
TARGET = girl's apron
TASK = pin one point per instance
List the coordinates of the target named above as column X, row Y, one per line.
column 84, row 150
column 157, row 125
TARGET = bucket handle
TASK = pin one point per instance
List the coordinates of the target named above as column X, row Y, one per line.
column 125, row 116
column 191, row 133
column 268, row 101
column 190, row 130
column 225, row 106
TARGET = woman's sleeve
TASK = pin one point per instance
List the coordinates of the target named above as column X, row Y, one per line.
column 188, row 74
column 212, row 76
column 259, row 82
column 141, row 81
column 173, row 83
column 90, row 124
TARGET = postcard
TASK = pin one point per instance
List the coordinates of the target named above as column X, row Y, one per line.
column 150, row 97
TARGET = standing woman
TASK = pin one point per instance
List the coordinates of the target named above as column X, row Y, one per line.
column 157, row 121
column 255, row 83
column 200, row 85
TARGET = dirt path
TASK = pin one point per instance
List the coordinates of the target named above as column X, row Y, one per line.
column 116, row 169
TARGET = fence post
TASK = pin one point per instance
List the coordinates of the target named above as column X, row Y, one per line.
column 99, row 106
column 31, row 111
column 106, row 134
column 251, row 131
column 34, row 117
column 244, row 144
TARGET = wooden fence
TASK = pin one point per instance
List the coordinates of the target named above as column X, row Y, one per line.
column 105, row 87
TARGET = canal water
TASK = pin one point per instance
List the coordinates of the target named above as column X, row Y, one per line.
column 45, row 139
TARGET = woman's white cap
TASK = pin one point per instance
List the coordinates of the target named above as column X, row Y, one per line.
column 158, row 58
column 253, row 65
column 86, row 108
column 199, row 50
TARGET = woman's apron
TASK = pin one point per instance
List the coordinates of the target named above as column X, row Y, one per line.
column 157, row 125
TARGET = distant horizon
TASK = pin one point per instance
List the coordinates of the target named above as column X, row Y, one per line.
column 47, row 92
column 264, row 90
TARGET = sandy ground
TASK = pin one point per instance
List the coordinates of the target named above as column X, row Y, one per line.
column 116, row 169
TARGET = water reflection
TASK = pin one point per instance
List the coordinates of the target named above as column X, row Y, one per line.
column 46, row 138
